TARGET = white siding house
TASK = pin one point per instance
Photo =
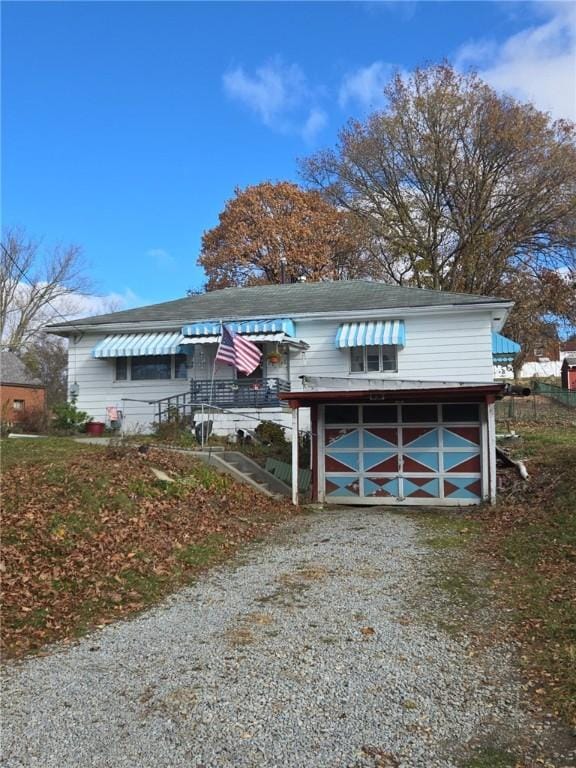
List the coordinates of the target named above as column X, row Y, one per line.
column 325, row 346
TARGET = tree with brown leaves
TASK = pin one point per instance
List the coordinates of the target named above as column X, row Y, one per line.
column 270, row 232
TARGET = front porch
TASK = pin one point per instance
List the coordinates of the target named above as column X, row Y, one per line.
column 253, row 394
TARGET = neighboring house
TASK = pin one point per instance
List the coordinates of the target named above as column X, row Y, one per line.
column 397, row 384
column 569, row 372
column 543, row 361
column 22, row 394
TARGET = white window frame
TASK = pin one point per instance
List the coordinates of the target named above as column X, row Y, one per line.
column 381, row 348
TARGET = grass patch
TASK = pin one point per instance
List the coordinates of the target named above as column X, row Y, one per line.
column 201, row 554
column 147, row 586
column 533, row 533
column 536, row 438
column 529, row 542
column 490, row 757
column 446, row 531
column 452, row 535
column 42, row 450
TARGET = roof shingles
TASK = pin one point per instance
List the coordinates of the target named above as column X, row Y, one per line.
column 282, row 300
column 13, row 371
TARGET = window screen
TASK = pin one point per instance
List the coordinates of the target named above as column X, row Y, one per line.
column 372, row 358
column 121, row 368
column 151, row 367
column 357, row 359
column 180, row 367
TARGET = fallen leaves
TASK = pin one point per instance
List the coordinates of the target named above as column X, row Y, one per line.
column 532, row 533
column 90, row 538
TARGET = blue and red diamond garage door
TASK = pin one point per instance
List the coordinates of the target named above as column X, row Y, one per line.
column 402, row 453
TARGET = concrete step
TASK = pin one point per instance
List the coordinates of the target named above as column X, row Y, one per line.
column 245, row 470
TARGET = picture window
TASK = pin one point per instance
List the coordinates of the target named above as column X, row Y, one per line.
column 151, row 368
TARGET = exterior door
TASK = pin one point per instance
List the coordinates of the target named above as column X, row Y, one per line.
column 402, row 454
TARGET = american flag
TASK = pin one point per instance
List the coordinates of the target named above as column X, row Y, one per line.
column 238, row 352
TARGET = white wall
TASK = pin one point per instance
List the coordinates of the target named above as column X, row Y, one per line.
column 440, row 347
column 99, row 389
column 534, row 370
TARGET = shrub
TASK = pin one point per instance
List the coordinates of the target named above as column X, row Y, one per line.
column 270, row 433
column 68, row 418
column 33, row 420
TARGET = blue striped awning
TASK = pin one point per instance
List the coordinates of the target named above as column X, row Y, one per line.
column 138, row 344
column 377, row 332
column 212, row 327
column 503, row 350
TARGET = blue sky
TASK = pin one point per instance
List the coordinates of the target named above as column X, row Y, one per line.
column 127, row 125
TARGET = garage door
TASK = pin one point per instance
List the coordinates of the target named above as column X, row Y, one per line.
column 403, row 454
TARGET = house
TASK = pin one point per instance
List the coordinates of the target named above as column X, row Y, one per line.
column 396, row 384
column 22, row 394
column 569, row 373
column 542, row 361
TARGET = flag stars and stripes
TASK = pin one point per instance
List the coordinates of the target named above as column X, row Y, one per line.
column 240, row 353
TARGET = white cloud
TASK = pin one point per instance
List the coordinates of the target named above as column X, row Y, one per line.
column 162, row 258
column 68, row 306
column 80, row 305
column 280, row 95
column 271, row 91
column 366, row 86
column 317, row 119
column 404, row 9
column 537, row 64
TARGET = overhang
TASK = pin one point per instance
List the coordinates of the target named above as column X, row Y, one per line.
column 138, row 345
column 278, row 338
column 438, row 391
column 503, row 350
column 376, row 332
column 214, row 327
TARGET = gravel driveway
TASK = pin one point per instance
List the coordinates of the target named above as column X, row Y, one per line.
column 309, row 650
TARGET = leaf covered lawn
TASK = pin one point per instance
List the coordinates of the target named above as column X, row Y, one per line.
column 532, row 531
column 90, row 535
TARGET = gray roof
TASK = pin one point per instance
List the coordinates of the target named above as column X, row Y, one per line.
column 264, row 301
column 570, row 359
column 13, row 371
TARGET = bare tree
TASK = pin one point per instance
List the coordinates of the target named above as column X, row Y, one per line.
column 458, row 188
column 46, row 356
column 36, row 284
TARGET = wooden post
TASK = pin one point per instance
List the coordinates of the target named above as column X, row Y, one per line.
column 295, row 413
column 491, row 429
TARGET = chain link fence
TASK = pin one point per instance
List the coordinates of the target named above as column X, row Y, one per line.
column 546, row 403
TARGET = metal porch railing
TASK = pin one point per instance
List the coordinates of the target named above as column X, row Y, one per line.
column 239, row 393
column 249, row 393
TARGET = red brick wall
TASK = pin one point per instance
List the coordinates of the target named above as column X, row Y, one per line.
column 33, row 397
